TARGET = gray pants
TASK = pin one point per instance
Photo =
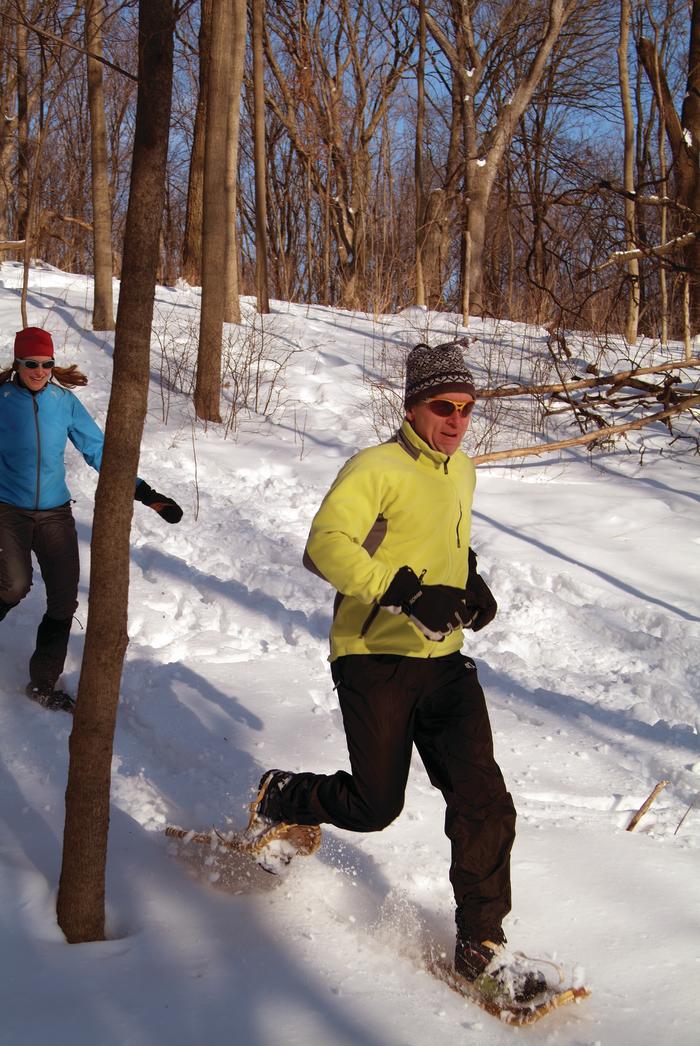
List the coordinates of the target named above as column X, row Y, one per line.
column 50, row 535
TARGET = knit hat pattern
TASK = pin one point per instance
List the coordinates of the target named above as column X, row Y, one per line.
column 33, row 341
column 430, row 371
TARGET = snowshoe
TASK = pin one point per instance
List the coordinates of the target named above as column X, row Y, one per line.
column 273, row 842
column 49, row 697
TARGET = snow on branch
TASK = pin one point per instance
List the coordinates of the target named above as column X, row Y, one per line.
column 661, row 249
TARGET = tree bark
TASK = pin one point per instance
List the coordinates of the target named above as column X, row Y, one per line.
column 418, row 158
column 683, row 133
column 192, row 246
column 207, row 391
column 22, row 132
column 232, row 305
column 261, row 283
column 103, row 305
column 632, row 321
column 81, row 892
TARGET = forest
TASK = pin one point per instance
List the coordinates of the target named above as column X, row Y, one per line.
column 532, row 160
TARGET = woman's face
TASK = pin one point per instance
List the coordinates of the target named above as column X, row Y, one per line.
column 34, row 378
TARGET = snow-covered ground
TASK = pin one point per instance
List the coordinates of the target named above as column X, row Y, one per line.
column 590, row 668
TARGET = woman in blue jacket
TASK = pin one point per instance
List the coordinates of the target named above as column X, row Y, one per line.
column 38, row 415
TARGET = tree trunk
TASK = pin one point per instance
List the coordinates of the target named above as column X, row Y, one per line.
column 103, row 309
column 663, row 236
column 632, row 322
column 690, row 117
column 81, row 892
column 22, row 132
column 418, row 167
column 192, row 245
column 207, row 391
column 683, row 135
column 261, row 288
column 232, row 305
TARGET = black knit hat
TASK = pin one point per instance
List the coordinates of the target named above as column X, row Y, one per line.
column 430, row 371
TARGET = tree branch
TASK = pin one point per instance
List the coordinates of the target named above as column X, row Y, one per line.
column 659, row 251
column 75, row 47
column 616, row 378
column 589, row 437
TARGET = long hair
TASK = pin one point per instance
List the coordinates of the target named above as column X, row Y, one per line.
column 68, row 377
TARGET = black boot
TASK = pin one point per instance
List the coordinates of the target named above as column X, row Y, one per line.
column 49, row 657
column 489, row 967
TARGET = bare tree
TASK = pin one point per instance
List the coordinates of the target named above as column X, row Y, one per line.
column 633, row 300
column 214, row 233
column 232, row 305
column 22, row 128
column 192, row 246
column 103, row 309
column 336, row 68
column 81, row 893
column 683, row 133
column 526, row 35
column 261, row 288
column 418, row 158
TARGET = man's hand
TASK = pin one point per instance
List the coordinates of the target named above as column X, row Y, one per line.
column 435, row 610
column 168, row 509
column 481, row 606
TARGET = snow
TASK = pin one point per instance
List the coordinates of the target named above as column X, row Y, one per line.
column 590, row 670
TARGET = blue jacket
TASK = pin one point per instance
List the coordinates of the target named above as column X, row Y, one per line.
column 34, row 429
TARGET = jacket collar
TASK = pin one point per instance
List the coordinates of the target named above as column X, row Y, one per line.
column 408, row 438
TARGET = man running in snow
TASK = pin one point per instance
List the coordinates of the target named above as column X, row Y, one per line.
column 392, row 537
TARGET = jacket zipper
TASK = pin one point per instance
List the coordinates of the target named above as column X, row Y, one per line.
column 38, row 451
column 459, row 504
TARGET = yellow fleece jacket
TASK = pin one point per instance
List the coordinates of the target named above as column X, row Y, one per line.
column 399, row 504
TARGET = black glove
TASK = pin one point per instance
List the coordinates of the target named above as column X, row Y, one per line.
column 480, row 602
column 435, row 610
column 168, row 509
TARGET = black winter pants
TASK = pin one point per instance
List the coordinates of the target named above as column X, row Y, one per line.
column 50, row 534
column 389, row 703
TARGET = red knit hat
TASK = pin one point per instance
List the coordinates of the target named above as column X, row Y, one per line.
column 33, row 341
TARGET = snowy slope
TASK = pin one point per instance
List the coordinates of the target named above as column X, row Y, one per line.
column 590, row 669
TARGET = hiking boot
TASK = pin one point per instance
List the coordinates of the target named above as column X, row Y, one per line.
column 272, row 841
column 48, row 697
column 494, row 971
column 262, row 810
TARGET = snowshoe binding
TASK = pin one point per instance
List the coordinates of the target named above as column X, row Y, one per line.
column 271, row 841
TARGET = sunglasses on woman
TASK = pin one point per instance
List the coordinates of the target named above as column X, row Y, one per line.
column 33, row 364
column 446, row 408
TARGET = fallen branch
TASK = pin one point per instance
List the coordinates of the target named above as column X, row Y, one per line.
column 645, row 806
column 585, row 383
column 589, row 437
column 11, row 245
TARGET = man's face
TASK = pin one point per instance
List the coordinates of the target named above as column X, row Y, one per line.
column 34, row 379
column 443, row 434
